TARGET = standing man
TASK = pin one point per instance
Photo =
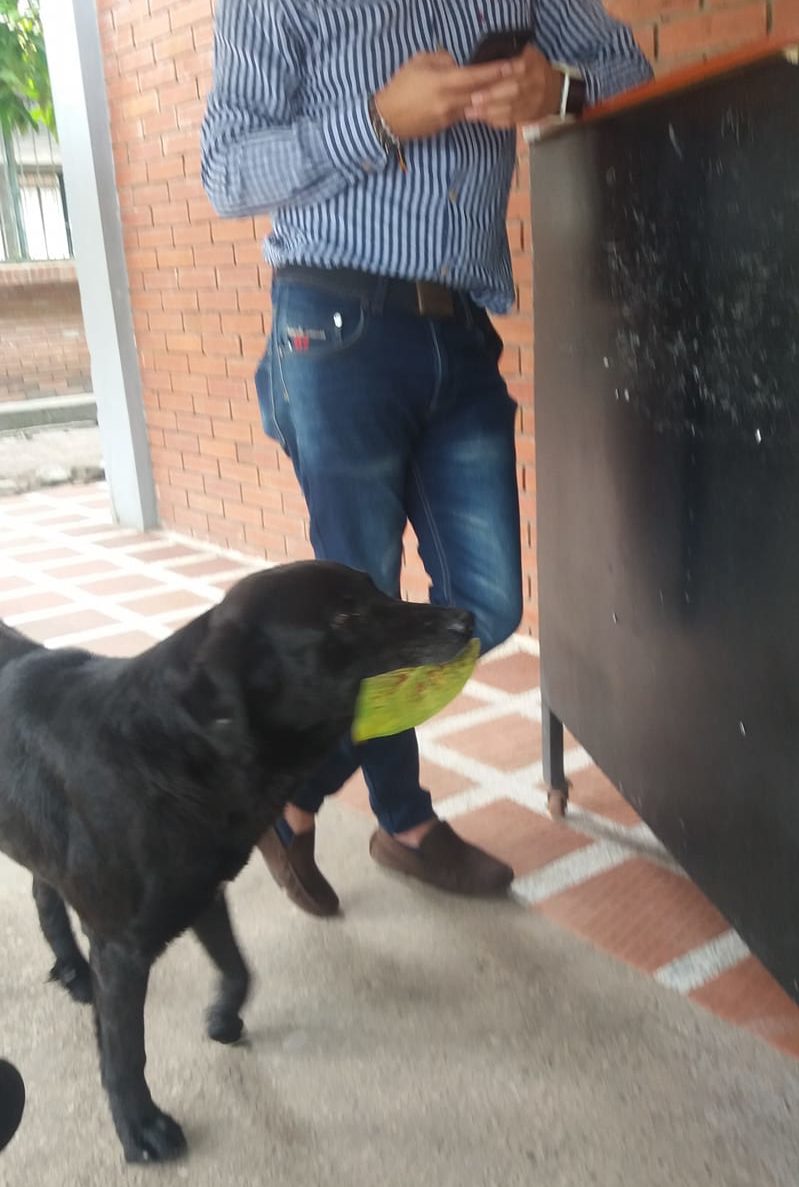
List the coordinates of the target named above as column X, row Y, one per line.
column 385, row 160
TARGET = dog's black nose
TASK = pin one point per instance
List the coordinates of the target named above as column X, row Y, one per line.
column 462, row 623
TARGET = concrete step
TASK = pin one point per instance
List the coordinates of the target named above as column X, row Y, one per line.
column 17, row 415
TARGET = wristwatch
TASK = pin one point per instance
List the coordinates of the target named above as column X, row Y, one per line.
column 388, row 141
column 573, row 93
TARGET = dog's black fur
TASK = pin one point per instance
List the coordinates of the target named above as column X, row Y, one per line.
column 133, row 789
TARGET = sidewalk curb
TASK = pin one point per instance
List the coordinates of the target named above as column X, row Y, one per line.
column 51, row 411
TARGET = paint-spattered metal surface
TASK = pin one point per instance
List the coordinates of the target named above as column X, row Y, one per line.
column 667, row 425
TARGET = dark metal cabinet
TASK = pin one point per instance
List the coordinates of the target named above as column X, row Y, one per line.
column 666, row 255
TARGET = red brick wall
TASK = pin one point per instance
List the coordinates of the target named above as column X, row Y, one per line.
column 43, row 348
column 200, row 291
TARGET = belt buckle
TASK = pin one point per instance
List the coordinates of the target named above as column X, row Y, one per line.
column 434, row 300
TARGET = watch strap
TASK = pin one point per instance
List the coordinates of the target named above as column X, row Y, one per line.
column 388, row 140
column 573, row 94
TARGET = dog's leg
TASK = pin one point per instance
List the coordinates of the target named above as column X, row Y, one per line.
column 120, row 987
column 71, row 969
column 214, row 931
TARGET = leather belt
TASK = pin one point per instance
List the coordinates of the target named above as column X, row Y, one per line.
column 421, row 298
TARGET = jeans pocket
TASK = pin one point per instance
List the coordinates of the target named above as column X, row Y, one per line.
column 313, row 324
column 265, row 389
column 491, row 339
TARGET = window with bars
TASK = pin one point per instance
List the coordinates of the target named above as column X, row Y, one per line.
column 34, row 224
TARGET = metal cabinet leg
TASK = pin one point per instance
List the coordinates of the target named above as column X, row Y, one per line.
column 554, row 774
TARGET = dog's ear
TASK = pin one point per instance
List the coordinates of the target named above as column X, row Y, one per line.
column 210, row 692
column 205, row 699
column 232, row 673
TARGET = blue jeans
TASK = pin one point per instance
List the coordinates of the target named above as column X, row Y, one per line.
column 390, row 417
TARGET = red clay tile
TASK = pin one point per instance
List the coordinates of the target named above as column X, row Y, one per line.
column 462, row 704
column 441, row 781
column 518, row 836
column 95, row 501
column 166, row 600
column 78, row 492
column 127, row 644
column 165, row 552
column 223, row 584
column 44, row 629
column 92, row 529
column 121, row 584
column 92, row 567
column 750, row 997
column 590, row 789
column 640, row 912
column 202, row 566
column 31, row 603
column 173, row 622
column 507, row 743
column 37, row 557
column 13, row 585
column 512, row 673
column 123, row 541
column 20, row 505
column 61, row 519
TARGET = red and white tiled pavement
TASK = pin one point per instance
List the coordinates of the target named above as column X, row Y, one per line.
column 69, row 576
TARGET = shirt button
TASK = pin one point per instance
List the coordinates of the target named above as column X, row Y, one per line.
column 453, row 195
column 444, row 270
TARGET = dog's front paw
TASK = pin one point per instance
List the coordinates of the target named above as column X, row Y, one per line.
column 75, row 976
column 223, row 1025
column 156, row 1139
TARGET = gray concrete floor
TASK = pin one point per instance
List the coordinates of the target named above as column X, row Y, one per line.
column 34, row 458
column 418, row 1039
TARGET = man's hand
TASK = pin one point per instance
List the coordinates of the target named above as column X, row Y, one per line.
column 530, row 91
column 432, row 92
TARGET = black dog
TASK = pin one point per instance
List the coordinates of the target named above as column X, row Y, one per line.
column 135, row 788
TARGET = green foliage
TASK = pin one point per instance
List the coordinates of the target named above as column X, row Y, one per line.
column 25, row 97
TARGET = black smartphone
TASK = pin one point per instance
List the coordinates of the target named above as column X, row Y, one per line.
column 501, row 44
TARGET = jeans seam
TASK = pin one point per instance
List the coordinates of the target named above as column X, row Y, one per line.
column 446, row 578
column 278, row 357
column 439, row 367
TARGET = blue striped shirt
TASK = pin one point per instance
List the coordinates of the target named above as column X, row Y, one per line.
column 287, row 131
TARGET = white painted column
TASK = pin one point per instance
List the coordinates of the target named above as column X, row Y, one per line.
column 74, row 55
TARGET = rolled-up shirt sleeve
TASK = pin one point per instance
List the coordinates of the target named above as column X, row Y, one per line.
column 259, row 154
column 582, row 33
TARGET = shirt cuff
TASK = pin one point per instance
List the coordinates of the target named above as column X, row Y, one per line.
column 593, row 87
column 615, row 78
column 351, row 142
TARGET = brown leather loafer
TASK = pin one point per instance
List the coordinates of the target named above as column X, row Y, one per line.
column 293, row 867
column 444, row 860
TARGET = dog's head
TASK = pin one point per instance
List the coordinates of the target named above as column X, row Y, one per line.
column 295, row 642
